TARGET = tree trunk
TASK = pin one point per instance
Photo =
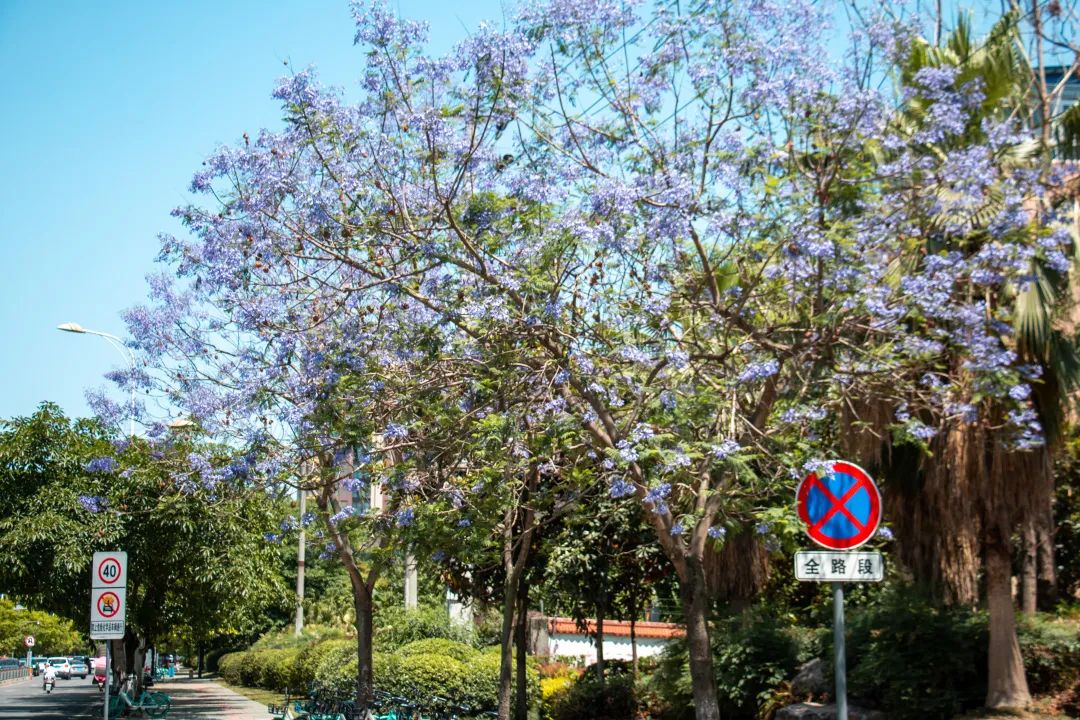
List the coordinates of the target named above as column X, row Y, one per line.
column 515, row 557
column 521, row 694
column 633, row 636
column 1006, row 683
column 1028, row 568
column 506, row 656
column 1047, row 583
column 695, row 605
column 600, row 642
column 201, row 656
column 365, row 683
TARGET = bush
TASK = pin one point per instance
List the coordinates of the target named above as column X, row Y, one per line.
column 421, row 678
column 1051, row 650
column 229, row 666
column 584, row 698
column 335, row 665
column 307, row 662
column 212, row 659
column 396, row 626
column 915, row 660
column 440, row 646
column 275, row 668
column 752, row 655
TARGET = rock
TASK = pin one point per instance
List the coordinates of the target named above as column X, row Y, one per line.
column 817, row 711
column 810, row 682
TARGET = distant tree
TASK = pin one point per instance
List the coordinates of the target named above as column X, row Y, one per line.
column 194, row 540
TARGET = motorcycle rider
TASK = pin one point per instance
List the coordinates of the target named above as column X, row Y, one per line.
column 49, row 678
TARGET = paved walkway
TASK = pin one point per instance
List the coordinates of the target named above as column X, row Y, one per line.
column 204, row 699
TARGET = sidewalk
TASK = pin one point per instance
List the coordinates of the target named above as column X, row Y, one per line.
column 194, row 699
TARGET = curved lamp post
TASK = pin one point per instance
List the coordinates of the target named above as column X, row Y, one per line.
column 121, row 348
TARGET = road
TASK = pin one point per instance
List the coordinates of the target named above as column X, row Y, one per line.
column 70, row 700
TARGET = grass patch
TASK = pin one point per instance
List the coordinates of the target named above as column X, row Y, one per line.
column 265, row 697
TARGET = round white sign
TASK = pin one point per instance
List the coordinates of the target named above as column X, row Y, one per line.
column 29, row 641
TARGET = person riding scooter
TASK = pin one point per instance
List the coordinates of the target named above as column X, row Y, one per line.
column 99, row 676
column 49, row 678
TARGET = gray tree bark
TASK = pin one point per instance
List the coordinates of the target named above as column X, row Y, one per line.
column 1006, row 682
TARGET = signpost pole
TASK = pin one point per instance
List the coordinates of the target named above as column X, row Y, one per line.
column 29, row 660
column 838, row 647
column 108, row 677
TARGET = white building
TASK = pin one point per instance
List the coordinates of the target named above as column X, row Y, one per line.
column 565, row 639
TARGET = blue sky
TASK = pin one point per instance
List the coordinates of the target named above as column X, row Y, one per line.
column 109, row 108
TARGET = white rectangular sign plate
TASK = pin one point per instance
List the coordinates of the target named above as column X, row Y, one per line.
column 839, row 566
column 109, row 570
column 108, row 609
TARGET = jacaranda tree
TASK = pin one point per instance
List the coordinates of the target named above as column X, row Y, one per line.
column 689, row 226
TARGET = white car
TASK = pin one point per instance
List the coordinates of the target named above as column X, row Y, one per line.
column 62, row 667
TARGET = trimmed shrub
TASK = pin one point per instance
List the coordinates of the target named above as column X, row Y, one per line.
column 311, row 657
column 229, row 666
column 585, row 698
column 396, row 626
column 275, row 667
column 333, row 663
column 440, row 646
column 212, row 658
column 421, row 678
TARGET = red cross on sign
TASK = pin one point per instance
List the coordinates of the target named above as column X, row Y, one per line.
column 841, row 508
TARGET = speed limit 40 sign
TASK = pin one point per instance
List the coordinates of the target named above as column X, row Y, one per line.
column 110, row 570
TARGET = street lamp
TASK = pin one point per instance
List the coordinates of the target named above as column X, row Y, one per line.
column 72, row 327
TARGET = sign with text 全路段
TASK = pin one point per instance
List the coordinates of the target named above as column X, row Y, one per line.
column 834, row 566
column 108, row 610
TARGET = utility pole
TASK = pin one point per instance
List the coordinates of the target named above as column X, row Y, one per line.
column 411, row 593
column 301, row 496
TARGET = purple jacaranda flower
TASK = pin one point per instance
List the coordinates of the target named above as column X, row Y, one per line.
column 885, row 533
column 404, row 517
column 758, row 371
column 93, row 503
column 394, row 432
column 620, row 488
column 104, row 464
column 717, row 532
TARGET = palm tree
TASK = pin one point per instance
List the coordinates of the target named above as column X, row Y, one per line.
column 971, row 492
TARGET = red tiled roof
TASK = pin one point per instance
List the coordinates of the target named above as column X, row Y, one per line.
column 619, row 628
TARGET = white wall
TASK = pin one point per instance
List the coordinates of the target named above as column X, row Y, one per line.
column 615, row 647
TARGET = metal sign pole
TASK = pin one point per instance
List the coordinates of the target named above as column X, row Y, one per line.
column 838, row 647
column 108, row 677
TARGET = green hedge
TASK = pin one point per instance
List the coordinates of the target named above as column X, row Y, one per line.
column 396, row 626
column 229, row 666
column 440, row 646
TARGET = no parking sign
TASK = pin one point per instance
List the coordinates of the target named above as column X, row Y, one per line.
column 841, row 508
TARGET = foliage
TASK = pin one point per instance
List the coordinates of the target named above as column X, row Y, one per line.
column 53, row 635
column 196, row 556
column 585, row 697
column 1051, row 650
column 752, row 655
column 440, row 646
column 230, row 666
column 916, row 659
column 396, row 626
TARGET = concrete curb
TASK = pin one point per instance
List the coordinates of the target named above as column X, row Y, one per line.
column 12, row 681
